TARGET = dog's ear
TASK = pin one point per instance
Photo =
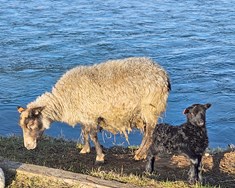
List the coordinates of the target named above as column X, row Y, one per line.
column 20, row 109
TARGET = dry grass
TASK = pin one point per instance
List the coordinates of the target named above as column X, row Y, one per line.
column 219, row 169
column 22, row 180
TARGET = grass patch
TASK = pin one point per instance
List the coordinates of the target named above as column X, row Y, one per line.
column 24, row 180
column 119, row 166
column 143, row 181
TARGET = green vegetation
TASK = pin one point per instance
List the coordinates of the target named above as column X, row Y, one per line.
column 119, row 166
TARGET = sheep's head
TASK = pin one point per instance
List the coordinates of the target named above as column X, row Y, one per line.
column 31, row 122
column 196, row 114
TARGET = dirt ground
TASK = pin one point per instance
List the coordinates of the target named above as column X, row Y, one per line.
column 218, row 169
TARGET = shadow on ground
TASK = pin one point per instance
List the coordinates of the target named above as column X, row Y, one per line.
column 219, row 168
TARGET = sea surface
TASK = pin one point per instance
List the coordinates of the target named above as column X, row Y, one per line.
column 193, row 40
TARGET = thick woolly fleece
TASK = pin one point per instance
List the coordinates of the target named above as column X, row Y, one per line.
column 118, row 95
column 190, row 139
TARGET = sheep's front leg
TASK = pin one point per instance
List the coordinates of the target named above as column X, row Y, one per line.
column 149, row 168
column 195, row 170
column 99, row 153
column 86, row 147
column 199, row 169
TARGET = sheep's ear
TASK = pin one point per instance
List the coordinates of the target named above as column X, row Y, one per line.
column 20, row 109
column 208, row 105
column 36, row 111
column 186, row 111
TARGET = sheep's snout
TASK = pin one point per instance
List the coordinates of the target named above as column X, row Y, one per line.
column 201, row 123
column 32, row 144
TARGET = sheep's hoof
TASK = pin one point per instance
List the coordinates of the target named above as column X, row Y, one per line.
column 85, row 150
column 99, row 163
column 195, row 180
column 148, row 171
column 138, row 157
column 192, row 181
column 99, row 160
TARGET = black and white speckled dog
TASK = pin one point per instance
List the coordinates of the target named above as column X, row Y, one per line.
column 189, row 138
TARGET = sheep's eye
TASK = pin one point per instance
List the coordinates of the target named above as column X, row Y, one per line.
column 192, row 114
column 29, row 127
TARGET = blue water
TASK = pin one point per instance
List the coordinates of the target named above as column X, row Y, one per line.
column 193, row 40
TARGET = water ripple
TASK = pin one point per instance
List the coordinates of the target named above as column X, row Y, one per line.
column 193, row 40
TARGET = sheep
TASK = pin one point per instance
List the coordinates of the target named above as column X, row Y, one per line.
column 2, row 179
column 190, row 139
column 117, row 96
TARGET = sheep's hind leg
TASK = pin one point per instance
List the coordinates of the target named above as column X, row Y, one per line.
column 137, row 153
column 86, row 147
column 141, row 153
column 99, row 153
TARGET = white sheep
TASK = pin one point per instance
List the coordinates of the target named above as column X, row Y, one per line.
column 116, row 96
